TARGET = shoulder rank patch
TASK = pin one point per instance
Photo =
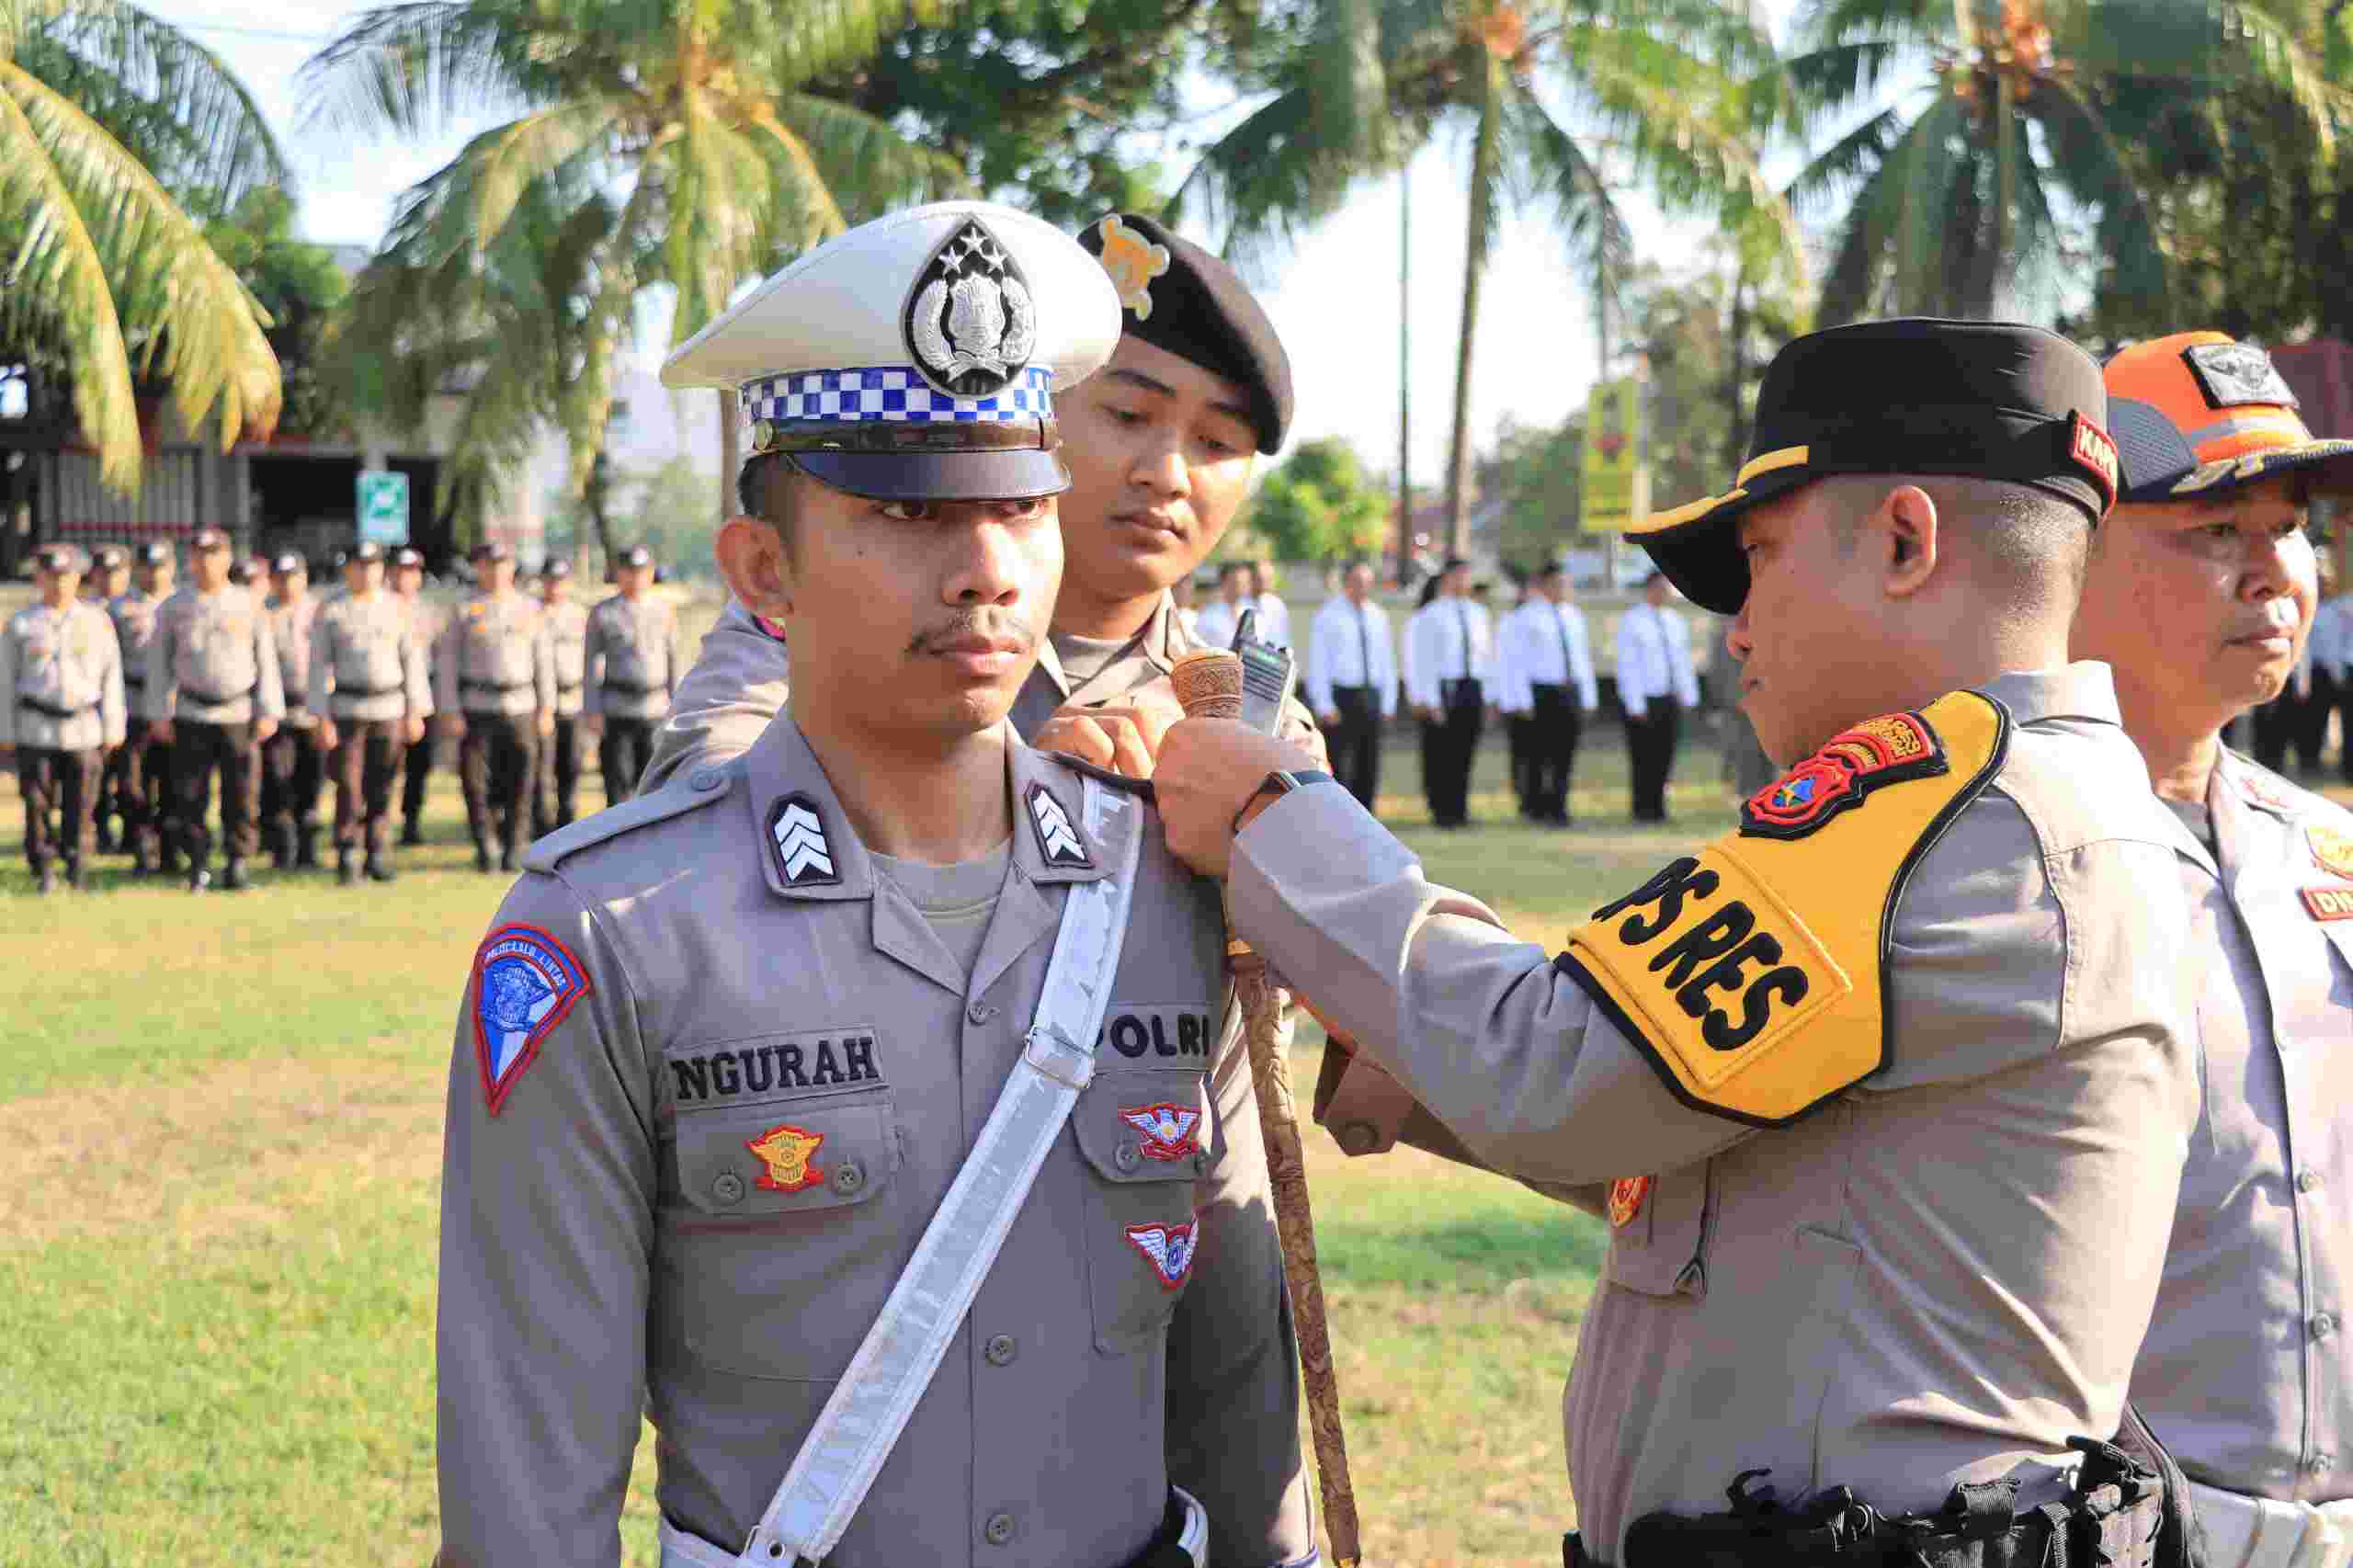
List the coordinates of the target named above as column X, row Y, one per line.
column 2332, row 849
column 1874, row 753
column 1627, row 1195
column 797, row 833
column 2329, row 904
column 1752, row 975
column 1057, row 842
column 1167, row 1129
column 525, row 981
column 1169, row 1249
column 788, row 1157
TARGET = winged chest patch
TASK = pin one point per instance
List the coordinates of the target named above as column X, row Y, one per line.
column 1167, row 1129
column 1169, row 1249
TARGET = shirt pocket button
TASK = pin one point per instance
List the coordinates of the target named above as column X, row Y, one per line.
column 850, row 1176
column 728, row 1188
column 979, row 1013
column 1127, row 1156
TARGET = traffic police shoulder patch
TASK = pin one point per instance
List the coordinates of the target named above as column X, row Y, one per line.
column 1752, row 976
column 525, row 981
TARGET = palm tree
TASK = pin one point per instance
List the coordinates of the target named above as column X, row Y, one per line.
column 651, row 143
column 2007, row 141
column 1653, row 84
column 109, row 122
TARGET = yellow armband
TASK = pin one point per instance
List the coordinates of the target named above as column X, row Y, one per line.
column 1752, row 975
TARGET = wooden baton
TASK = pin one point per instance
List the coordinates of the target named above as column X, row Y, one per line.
column 1208, row 686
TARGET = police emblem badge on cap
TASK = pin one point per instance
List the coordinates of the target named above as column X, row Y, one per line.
column 971, row 322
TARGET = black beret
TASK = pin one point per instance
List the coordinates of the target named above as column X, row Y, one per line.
column 1176, row 296
column 1981, row 399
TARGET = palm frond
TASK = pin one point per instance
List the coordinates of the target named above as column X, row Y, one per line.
column 83, row 203
column 406, row 70
column 160, row 92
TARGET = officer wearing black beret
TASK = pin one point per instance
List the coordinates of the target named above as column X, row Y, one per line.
column 1886, row 1093
column 1158, row 448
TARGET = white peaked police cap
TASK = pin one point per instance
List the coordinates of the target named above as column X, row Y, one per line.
column 915, row 358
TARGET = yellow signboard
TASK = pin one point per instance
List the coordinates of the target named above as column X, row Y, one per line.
column 1615, row 486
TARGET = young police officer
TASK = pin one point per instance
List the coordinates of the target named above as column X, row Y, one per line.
column 495, row 685
column 633, row 664
column 146, row 762
column 1886, row 1093
column 555, row 787
column 1160, row 447
column 729, row 1045
column 2201, row 590
column 366, row 679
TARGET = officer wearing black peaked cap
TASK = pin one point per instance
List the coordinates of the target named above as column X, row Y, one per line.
column 1886, row 1092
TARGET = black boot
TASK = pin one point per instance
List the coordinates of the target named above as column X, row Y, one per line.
column 105, row 836
column 306, row 849
column 172, row 863
column 346, row 867
column 236, row 881
column 281, row 847
column 411, row 836
column 380, row 869
column 142, row 859
column 510, row 858
column 75, row 876
column 482, row 857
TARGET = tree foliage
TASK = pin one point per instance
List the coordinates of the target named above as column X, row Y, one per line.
column 1319, row 503
column 299, row 285
column 118, row 135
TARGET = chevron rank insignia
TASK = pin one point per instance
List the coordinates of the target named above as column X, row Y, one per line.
column 1169, row 1249
column 797, row 833
column 1167, row 1129
column 1627, row 1195
column 525, row 981
column 1058, row 841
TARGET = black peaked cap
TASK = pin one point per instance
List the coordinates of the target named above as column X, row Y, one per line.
column 1176, row 296
column 1983, row 400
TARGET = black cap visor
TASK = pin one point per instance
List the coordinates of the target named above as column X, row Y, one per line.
column 2332, row 459
column 1009, row 473
column 1698, row 544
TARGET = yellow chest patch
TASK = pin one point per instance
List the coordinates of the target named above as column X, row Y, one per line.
column 1750, row 974
column 788, row 1155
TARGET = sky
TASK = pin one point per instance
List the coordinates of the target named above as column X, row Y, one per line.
column 1334, row 298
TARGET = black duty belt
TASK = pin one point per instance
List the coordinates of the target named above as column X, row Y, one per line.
column 2121, row 1513
column 367, row 691
column 133, row 683
column 565, row 688
column 293, row 699
column 497, row 685
column 205, row 699
column 633, row 689
column 1462, row 693
column 52, row 710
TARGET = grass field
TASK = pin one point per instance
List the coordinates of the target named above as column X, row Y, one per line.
column 220, row 1143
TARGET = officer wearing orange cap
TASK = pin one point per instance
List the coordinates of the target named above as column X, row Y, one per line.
column 2199, row 598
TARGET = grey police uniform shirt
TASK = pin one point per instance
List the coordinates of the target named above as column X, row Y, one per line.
column 213, row 660
column 61, row 680
column 633, row 657
column 609, row 1244
column 289, row 629
column 135, row 627
column 1941, row 1275
column 567, row 626
column 368, row 661
column 740, row 682
column 2247, row 1370
column 493, row 658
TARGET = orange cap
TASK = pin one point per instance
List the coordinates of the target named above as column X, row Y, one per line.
column 2197, row 414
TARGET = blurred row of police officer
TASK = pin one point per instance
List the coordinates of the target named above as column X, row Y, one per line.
column 276, row 697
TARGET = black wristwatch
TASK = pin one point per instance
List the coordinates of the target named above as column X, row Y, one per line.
column 1281, row 781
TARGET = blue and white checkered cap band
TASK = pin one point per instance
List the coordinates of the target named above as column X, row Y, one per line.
column 894, row 392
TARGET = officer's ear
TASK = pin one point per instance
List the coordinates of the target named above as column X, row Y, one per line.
column 1902, row 534
column 752, row 558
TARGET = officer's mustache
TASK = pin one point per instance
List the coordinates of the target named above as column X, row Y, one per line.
column 1000, row 626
